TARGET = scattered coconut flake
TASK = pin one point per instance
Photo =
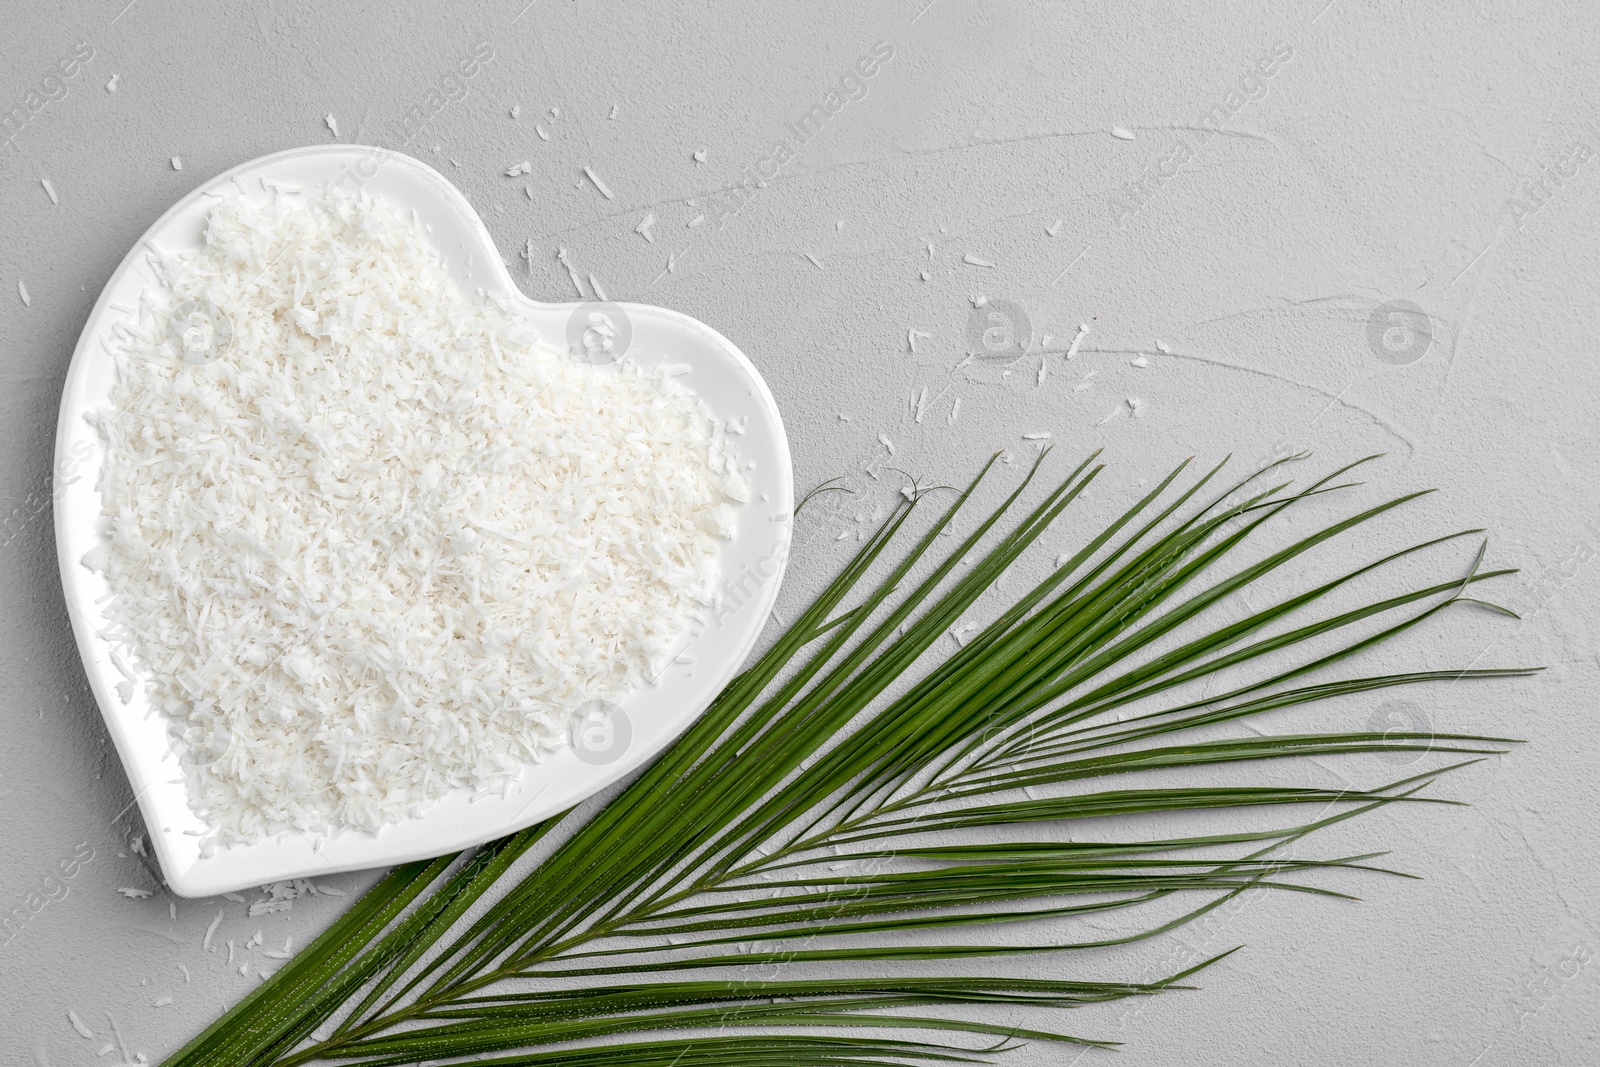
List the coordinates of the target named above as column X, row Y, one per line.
column 921, row 403
column 162, row 1002
column 815, row 262
column 960, row 632
column 598, row 184
column 540, row 130
column 562, row 255
column 1135, row 405
column 975, row 261
column 1086, row 383
column 1044, row 370
column 187, row 978
column 925, row 275
column 594, row 283
column 210, row 931
column 842, row 535
column 172, row 910
column 643, row 229
column 1121, row 134
column 50, row 190
column 1114, row 413
column 883, row 440
column 978, row 300
column 333, row 123
column 1083, row 331
column 697, row 220
column 525, row 167
column 329, row 891
column 843, row 417
column 1054, row 228
column 230, row 953
column 177, row 163
column 1062, row 560
column 1162, row 346
column 613, row 112
column 699, row 155
column 516, row 109
column 235, row 897
column 281, row 954
column 79, row 1025
column 1037, row 435
column 955, row 411
column 911, row 338
column 1139, row 361
column 111, row 86
column 134, row 894
column 108, row 1047
column 22, row 291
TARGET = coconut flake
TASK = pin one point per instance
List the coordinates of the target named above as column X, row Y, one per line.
column 205, row 942
column 598, row 184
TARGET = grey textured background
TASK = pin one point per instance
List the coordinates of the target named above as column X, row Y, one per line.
column 1386, row 161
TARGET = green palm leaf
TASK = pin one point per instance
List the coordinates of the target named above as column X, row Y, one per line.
column 840, row 803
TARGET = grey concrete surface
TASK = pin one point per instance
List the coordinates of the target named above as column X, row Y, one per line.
column 1240, row 288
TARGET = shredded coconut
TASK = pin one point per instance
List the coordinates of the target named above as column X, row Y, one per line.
column 205, row 943
column 371, row 540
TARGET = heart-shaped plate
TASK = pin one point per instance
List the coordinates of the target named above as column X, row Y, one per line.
column 752, row 562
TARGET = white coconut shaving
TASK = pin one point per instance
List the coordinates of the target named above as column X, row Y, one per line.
column 370, row 540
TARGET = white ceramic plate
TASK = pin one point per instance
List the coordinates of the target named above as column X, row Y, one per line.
column 753, row 561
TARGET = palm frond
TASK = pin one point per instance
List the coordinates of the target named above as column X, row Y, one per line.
column 834, row 805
